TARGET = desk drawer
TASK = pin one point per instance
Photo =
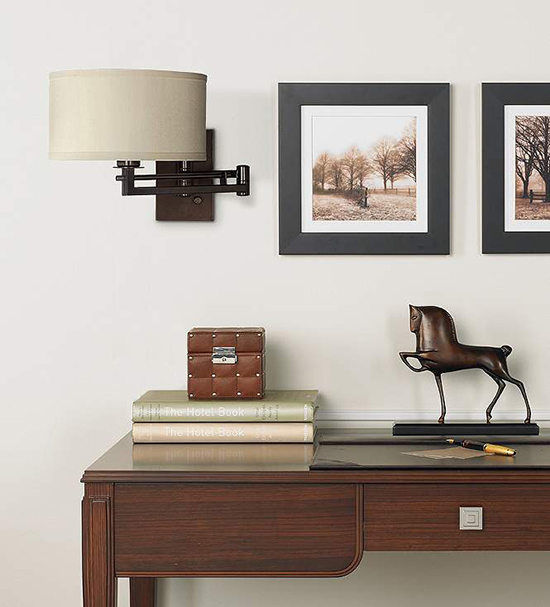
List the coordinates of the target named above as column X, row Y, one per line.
column 427, row 517
column 181, row 529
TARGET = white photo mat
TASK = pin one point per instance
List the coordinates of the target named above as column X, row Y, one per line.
column 309, row 113
column 511, row 224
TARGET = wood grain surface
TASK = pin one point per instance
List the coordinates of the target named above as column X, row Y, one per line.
column 143, row 591
column 426, row 517
column 98, row 577
column 237, row 529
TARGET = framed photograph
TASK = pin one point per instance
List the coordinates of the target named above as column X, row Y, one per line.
column 363, row 169
column 516, row 168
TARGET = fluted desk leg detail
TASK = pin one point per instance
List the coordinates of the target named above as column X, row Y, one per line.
column 99, row 581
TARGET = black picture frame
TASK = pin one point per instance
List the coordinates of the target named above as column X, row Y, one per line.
column 436, row 241
column 495, row 98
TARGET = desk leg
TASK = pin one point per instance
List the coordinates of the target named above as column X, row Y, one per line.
column 98, row 566
column 142, row 591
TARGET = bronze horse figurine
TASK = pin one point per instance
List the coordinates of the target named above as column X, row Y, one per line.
column 439, row 351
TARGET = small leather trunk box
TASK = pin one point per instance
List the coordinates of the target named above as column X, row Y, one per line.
column 226, row 363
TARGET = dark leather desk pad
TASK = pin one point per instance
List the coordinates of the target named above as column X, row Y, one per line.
column 371, row 449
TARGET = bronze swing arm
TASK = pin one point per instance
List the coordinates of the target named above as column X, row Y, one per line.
column 183, row 187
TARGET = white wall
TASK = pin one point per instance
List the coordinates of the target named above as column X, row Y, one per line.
column 97, row 297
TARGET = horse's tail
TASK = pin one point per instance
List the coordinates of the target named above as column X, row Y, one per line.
column 506, row 349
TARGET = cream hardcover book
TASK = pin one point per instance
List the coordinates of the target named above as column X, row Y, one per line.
column 220, row 432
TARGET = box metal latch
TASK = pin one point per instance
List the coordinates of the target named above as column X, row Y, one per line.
column 224, row 356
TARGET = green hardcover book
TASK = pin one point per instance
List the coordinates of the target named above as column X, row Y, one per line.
column 175, row 406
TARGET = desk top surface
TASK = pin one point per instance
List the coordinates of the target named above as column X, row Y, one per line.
column 337, row 451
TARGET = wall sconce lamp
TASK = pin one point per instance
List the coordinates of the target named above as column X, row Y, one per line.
column 132, row 115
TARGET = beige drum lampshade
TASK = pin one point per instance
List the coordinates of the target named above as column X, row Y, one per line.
column 127, row 115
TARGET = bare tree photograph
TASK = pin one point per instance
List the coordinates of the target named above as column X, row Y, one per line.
column 364, row 168
column 532, row 165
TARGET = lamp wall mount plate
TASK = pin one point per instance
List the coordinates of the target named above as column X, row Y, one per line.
column 196, row 207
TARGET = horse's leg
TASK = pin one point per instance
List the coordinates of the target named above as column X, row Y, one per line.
column 502, row 372
column 439, row 383
column 501, row 386
column 405, row 355
column 521, row 387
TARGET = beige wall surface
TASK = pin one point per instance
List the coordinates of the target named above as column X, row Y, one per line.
column 97, row 297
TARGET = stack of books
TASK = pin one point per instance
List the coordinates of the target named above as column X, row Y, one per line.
column 168, row 416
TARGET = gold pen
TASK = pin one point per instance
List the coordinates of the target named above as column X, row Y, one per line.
column 487, row 447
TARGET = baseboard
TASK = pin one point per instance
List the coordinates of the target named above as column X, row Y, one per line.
column 391, row 415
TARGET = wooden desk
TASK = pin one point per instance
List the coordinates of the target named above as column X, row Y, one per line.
column 167, row 519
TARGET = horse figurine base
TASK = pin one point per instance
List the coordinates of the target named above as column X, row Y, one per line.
column 469, row 429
